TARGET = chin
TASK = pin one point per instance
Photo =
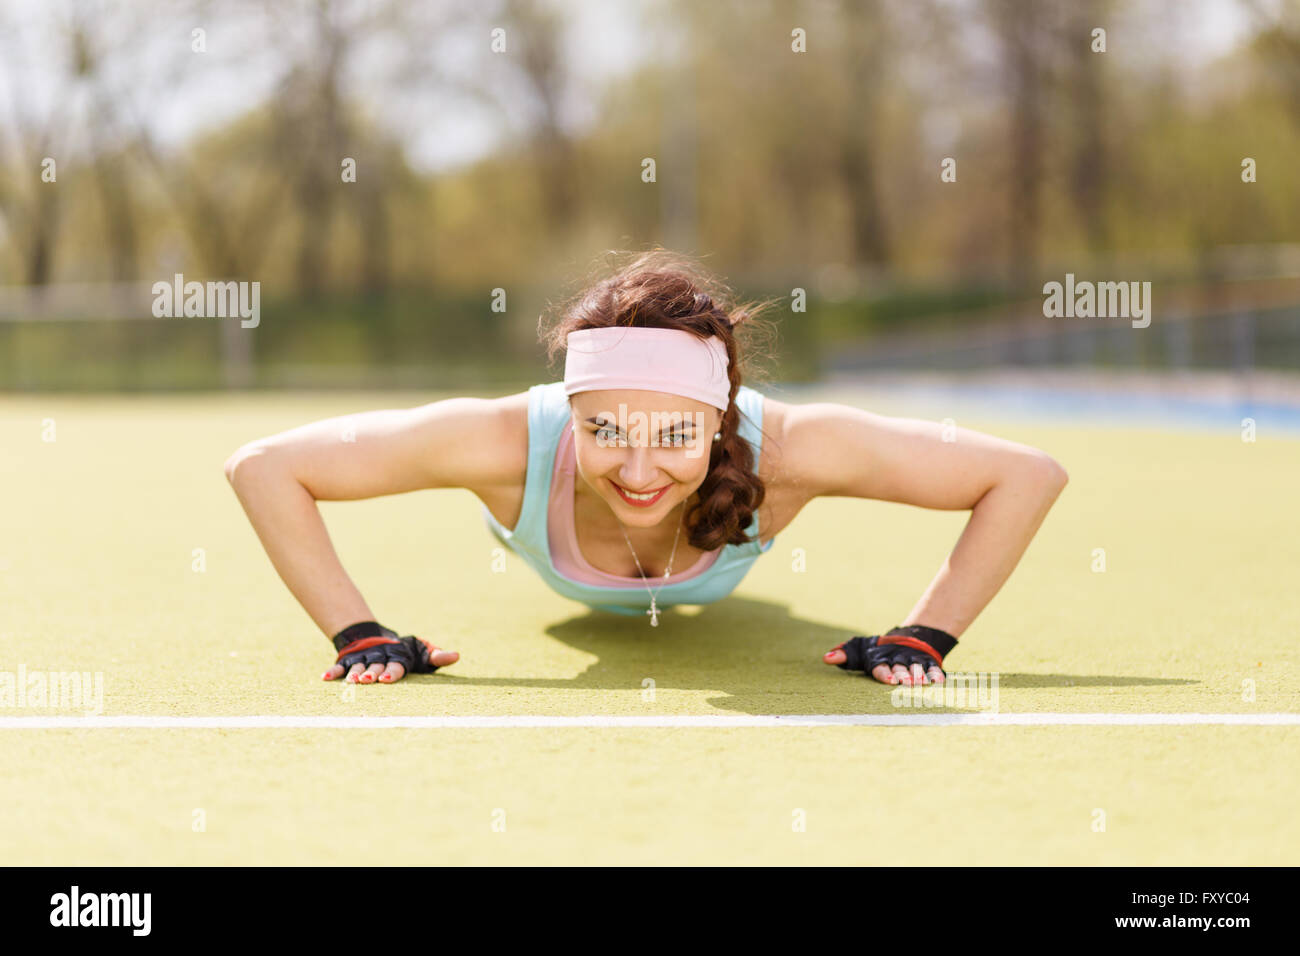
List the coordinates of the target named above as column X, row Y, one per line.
column 640, row 517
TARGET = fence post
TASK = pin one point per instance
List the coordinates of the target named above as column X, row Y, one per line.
column 236, row 353
column 1243, row 341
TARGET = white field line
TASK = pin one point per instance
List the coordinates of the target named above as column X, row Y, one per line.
column 901, row 719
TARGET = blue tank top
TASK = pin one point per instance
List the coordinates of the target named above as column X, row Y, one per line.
column 548, row 416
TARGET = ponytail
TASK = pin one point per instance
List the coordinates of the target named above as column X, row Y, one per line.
column 732, row 491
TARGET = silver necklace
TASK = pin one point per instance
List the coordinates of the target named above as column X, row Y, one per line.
column 653, row 610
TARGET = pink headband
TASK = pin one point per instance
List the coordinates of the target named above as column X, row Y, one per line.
column 657, row 360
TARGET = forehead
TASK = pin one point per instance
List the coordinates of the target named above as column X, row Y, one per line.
column 607, row 401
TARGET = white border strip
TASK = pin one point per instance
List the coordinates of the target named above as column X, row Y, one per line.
column 901, row 719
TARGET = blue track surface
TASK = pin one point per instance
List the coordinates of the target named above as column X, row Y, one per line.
column 1111, row 407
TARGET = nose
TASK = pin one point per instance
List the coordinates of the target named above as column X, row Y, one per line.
column 637, row 471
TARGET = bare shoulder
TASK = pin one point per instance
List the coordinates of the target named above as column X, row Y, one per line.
column 812, row 436
column 814, row 442
column 472, row 443
column 787, row 490
column 501, row 486
column 506, row 420
column 776, row 466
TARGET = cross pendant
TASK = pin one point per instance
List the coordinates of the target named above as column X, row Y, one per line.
column 654, row 613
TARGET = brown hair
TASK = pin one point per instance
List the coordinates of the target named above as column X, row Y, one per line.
column 665, row 290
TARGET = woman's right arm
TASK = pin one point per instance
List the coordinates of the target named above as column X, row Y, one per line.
column 479, row 444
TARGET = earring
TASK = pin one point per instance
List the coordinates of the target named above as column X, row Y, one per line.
column 717, row 436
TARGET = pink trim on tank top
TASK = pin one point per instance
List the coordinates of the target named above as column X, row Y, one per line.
column 562, row 536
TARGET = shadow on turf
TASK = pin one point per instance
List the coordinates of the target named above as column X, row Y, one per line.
column 763, row 660
column 1040, row 681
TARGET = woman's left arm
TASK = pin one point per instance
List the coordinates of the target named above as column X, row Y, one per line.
column 837, row 450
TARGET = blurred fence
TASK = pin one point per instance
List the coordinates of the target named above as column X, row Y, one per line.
column 1240, row 339
column 104, row 336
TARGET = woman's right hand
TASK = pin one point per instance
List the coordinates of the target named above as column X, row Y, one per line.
column 280, row 479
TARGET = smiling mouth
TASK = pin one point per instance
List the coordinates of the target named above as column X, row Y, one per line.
column 643, row 500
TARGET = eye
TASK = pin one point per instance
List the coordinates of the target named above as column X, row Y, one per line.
column 676, row 440
column 606, row 434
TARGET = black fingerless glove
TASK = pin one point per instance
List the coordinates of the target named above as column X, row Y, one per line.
column 908, row 645
column 371, row 643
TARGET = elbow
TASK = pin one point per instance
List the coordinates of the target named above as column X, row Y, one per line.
column 1049, row 474
column 244, row 462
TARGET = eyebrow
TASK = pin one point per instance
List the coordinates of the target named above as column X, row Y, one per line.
column 673, row 426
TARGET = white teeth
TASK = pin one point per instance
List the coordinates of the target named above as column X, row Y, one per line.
column 636, row 497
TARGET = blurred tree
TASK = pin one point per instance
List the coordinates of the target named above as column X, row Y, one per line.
column 1084, row 72
column 1277, row 41
column 109, row 148
column 1019, row 27
column 320, row 121
column 36, row 126
column 310, row 137
column 865, row 42
column 540, row 58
